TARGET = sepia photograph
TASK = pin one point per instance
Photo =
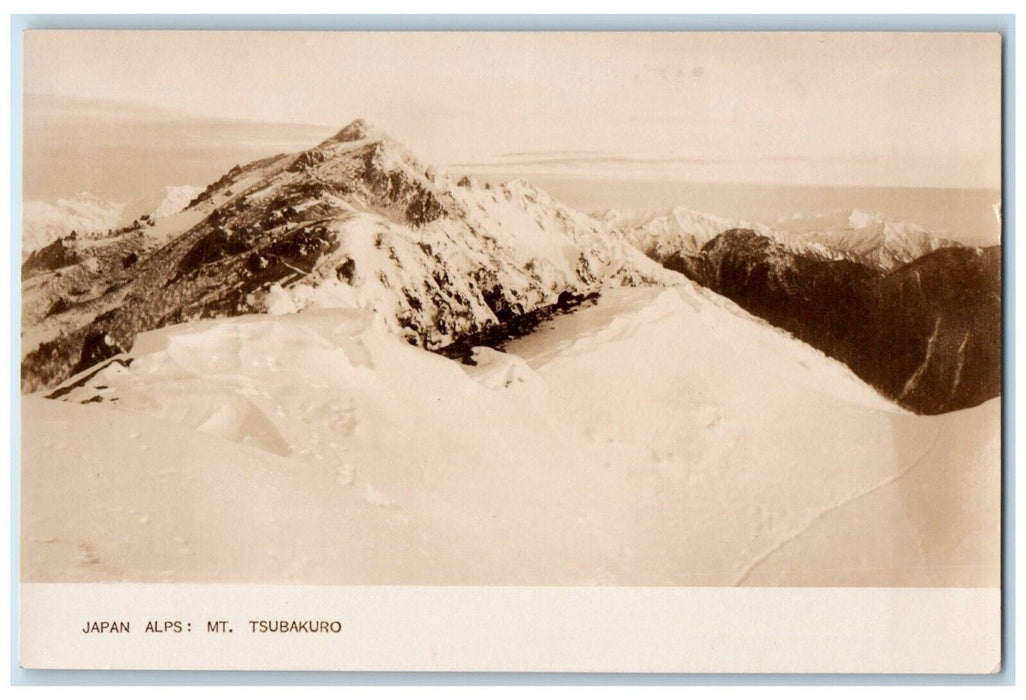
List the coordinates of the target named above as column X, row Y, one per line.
column 600, row 310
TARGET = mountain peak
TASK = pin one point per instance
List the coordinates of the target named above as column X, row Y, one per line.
column 357, row 130
column 858, row 218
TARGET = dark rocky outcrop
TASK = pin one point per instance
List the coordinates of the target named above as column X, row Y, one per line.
column 514, row 326
column 58, row 254
column 98, row 346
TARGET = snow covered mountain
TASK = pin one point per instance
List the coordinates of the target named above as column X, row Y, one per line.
column 45, row 222
column 915, row 315
column 93, row 217
column 354, row 222
column 870, row 239
column 661, row 235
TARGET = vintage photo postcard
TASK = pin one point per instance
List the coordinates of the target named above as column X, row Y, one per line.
column 511, row 351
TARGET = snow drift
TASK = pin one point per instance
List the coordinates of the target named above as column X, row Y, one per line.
column 660, row 437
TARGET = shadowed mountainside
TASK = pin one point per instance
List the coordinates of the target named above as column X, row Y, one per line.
column 926, row 334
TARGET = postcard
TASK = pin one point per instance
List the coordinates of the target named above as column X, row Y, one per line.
column 511, row 351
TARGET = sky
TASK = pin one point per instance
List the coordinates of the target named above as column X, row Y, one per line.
column 881, row 109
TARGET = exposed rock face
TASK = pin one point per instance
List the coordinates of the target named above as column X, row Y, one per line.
column 926, row 334
column 54, row 256
column 97, row 347
column 354, row 221
column 354, row 131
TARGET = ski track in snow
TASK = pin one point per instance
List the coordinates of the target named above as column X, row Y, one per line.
column 751, row 567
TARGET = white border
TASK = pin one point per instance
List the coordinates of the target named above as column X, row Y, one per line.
column 517, row 629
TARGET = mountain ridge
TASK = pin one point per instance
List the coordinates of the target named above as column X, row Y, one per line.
column 871, row 239
column 356, row 220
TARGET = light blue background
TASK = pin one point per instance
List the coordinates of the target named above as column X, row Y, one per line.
column 1003, row 24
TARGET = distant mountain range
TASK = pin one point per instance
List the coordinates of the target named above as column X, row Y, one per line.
column 870, row 239
column 44, row 222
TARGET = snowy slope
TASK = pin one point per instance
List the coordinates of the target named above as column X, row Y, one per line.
column 660, row 437
column 175, row 199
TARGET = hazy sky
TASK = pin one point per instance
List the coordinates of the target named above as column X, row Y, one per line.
column 824, row 108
